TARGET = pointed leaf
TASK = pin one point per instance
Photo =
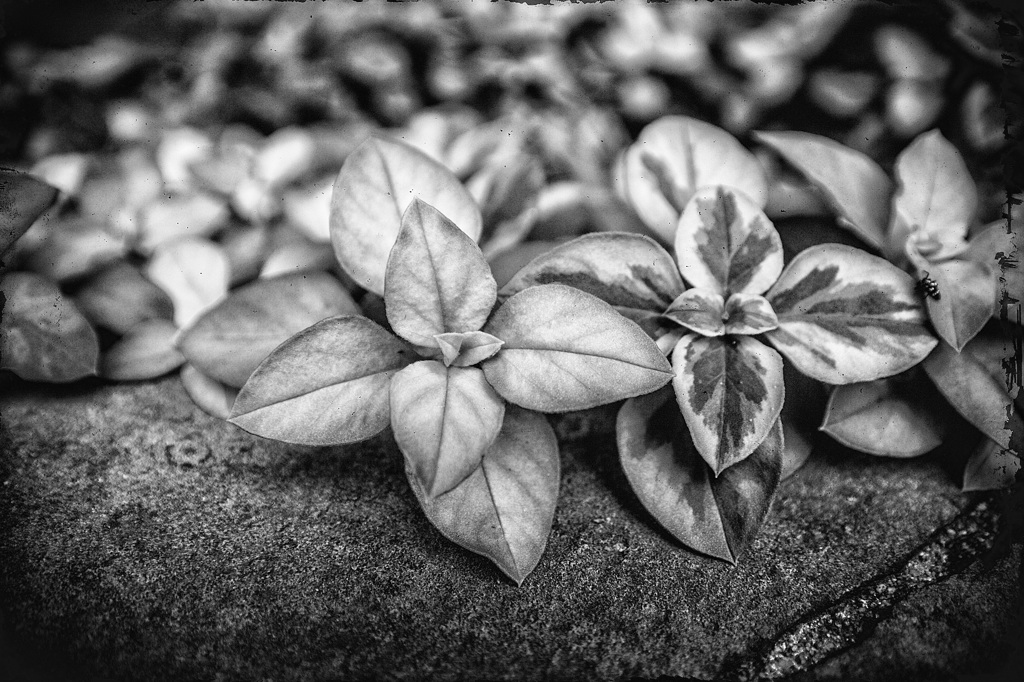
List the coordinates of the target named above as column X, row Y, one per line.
column 567, row 350
column 990, row 467
column 855, row 186
column 298, row 255
column 847, row 316
column 437, row 280
column 42, row 335
column 879, row 418
column 749, row 314
column 23, row 198
column 504, row 510
column 379, row 180
column 210, row 395
column 935, row 195
column 799, row 444
column 443, row 418
column 730, row 393
column 629, row 271
column 120, row 297
column 725, row 243
column 674, row 157
column 193, row 272
column 699, row 310
column 967, row 292
column 231, row 339
column 717, row 516
column 463, row 349
column 145, row 352
column 328, row 384
column 183, row 215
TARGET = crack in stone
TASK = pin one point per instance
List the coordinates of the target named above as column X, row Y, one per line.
column 852, row 617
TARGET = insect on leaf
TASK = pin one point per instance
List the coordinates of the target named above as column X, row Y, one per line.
column 23, row 198
column 963, row 300
column 145, row 352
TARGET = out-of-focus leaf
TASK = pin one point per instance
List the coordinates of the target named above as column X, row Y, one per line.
column 798, row 445
column 903, row 53
column 443, row 419
column 505, row 508
column 296, row 256
column 846, row 316
column 210, row 395
column 568, row 350
column 120, row 297
column 192, row 215
column 730, row 393
column 231, row 339
column 967, row 293
column 246, row 248
column 437, row 279
column 935, row 199
column 74, row 248
column 194, row 272
column 308, row 208
column 912, row 105
column 42, row 335
column 878, row 418
column 990, row 467
column 329, row 384
column 856, row 187
column 376, row 184
column 66, row 172
column 631, row 272
column 287, row 155
column 23, row 199
column 506, row 264
column 145, row 352
column 178, row 149
column 802, row 412
column 719, row 516
column 673, row 158
column 725, row 243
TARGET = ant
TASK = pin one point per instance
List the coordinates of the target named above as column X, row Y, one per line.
column 929, row 287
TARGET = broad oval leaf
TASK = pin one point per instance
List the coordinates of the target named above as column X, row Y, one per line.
column 194, row 272
column 990, row 467
column 505, row 508
column 675, row 156
column 463, row 349
column 719, row 516
column 183, row 215
column 230, row 340
column 43, row 336
column 699, row 310
column 856, row 187
column 23, row 198
column 725, row 243
column 749, row 314
column 567, row 350
column 846, row 316
column 213, row 397
column 878, row 418
column 376, row 184
column 629, row 271
column 145, row 352
column 730, row 393
column 120, row 297
column 443, row 419
column 965, row 301
column 437, row 280
column 935, row 195
column 329, row 384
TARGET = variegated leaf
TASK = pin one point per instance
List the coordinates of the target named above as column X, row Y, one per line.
column 437, row 280
column 567, row 350
column 749, row 314
column 856, row 187
column 719, row 516
column 463, row 349
column 674, row 157
column 846, row 316
column 879, row 418
column 327, row 385
column 730, row 391
column 629, row 271
column 990, row 467
column 443, row 419
column 376, row 184
column 965, row 300
column 725, row 243
column 699, row 310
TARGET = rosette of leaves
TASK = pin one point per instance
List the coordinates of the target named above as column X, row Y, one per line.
column 707, row 463
column 459, row 383
column 922, row 223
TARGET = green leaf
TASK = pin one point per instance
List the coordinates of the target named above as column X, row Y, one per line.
column 463, row 349
column 846, row 316
column 230, row 340
column 799, row 444
column 725, row 243
column 967, row 293
column 194, row 272
column 43, row 336
column 212, row 396
column 437, row 280
column 879, row 418
column 145, row 352
column 505, row 508
column 802, row 413
column 329, row 384
column 674, row 157
column 443, row 418
column 23, row 198
column 376, row 184
column 719, row 516
column 855, row 186
column 730, row 391
column 749, row 314
column 120, row 297
column 629, row 271
column 990, row 467
column 699, row 310
column 567, row 350
column 936, row 199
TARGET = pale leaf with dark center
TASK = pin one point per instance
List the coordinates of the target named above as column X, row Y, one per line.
column 749, row 314
column 699, row 310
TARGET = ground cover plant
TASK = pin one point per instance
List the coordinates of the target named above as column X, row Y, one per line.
column 444, row 255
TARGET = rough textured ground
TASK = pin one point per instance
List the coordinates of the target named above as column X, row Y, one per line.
column 143, row 540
